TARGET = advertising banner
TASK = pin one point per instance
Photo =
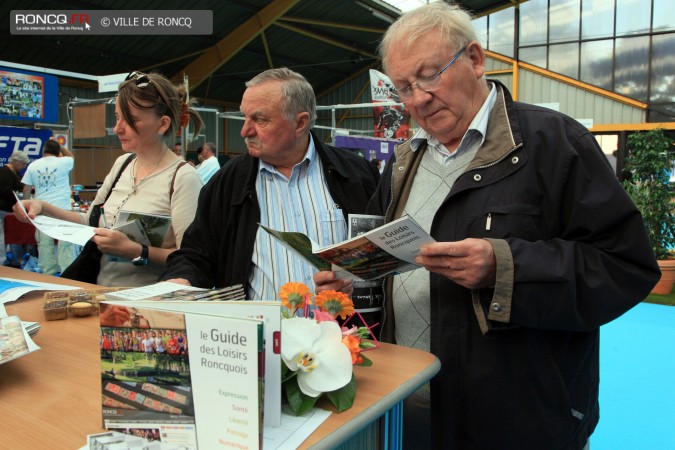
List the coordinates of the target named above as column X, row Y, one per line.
column 391, row 122
column 28, row 96
column 25, row 139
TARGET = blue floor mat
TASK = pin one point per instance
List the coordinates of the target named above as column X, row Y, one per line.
column 637, row 378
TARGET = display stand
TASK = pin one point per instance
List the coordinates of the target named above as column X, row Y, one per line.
column 52, row 397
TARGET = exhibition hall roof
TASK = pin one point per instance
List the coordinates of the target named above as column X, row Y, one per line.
column 328, row 41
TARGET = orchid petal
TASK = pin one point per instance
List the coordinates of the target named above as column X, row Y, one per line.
column 334, row 368
column 297, row 336
column 315, row 350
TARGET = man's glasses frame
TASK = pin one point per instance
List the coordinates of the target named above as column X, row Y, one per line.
column 427, row 84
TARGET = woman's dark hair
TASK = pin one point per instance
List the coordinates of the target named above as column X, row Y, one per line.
column 52, row 147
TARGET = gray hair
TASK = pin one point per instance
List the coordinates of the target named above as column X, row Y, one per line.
column 298, row 95
column 19, row 156
column 211, row 146
column 451, row 21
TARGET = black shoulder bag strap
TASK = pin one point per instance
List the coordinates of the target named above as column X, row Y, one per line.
column 96, row 209
column 88, row 263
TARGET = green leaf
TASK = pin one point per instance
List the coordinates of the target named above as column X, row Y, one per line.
column 343, row 398
column 366, row 362
column 650, row 160
column 299, row 402
column 286, row 373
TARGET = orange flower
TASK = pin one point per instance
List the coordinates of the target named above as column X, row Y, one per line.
column 336, row 303
column 295, row 296
column 353, row 344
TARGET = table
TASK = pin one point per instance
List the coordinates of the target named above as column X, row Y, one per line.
column 51, row 398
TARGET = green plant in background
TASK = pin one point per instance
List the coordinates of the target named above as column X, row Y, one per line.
column 650, row 161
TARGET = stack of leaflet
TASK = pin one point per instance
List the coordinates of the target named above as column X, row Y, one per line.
column 172, row 291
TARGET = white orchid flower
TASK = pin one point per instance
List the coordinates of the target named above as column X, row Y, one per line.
column 316, row 352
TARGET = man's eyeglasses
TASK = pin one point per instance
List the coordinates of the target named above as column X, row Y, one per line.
column 142, row 81
column 426, row 84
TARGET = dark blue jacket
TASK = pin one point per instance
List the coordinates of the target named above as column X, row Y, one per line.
column 519, row 362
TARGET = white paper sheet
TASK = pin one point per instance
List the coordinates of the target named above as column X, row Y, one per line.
column 289, row 436
column 60, row 229
column 294, row 429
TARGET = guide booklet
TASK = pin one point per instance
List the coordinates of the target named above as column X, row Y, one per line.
column 385, row 250
column 145, row 229
column 194, row 374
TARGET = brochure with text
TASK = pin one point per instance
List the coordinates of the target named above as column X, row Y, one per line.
column 386, row 250
column 184, row 374
column 267, row 311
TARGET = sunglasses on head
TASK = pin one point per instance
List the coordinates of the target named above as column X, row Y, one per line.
column 142, row 81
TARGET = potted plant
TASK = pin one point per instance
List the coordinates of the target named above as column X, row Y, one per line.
column 648, row 164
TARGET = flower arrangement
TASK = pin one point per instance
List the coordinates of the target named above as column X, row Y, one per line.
column 318, row 354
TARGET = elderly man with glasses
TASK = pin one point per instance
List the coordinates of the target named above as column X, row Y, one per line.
column 537, row 246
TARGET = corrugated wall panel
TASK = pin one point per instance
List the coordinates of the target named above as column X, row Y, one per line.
column 576, row 102
column 494, row 64
column 505, row 78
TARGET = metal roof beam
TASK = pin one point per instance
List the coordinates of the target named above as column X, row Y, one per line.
column 325, row 39
column 201, row 68
column 324, row 23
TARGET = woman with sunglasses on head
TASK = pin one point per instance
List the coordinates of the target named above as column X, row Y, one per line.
column 149, row 109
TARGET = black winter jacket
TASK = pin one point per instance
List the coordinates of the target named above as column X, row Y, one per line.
column 217, row 248
column 519, row 362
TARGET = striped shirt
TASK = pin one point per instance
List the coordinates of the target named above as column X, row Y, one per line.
column 300, row 203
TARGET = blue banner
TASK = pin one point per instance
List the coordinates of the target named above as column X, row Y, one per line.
column 25, row 139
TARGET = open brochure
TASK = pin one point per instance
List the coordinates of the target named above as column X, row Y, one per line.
column 143, row 228
column 196, row 370
column 388, row 249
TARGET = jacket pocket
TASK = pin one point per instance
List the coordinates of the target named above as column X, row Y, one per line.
column 521, row 220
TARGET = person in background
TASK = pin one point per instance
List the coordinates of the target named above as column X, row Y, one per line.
column 50, row 177
column 538, row 246
column 178, row 149
column 208, row 161
column 148, row 111
column 10, row 183
column 378, row 164
column 289, row 180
